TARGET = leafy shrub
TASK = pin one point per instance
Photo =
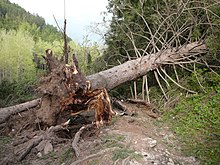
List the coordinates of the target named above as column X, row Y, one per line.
column 196, row 121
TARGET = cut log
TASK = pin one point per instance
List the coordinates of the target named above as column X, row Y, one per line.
column 5, row 113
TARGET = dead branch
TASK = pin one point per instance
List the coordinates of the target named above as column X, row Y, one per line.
column 158, row 81
column 120, row 105
column 151, row 110
column 142, row 102
column 176, row 82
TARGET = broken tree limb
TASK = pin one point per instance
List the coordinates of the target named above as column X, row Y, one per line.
column 5, row 113
column 151, row 110
column 122, row 106
column 137, row 101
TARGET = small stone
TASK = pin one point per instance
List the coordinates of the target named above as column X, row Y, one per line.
column 48, row 148
column 170, row 162
column 151, row 142
column 133, row 162
column 41, row 145
column 144, row 153
column 39, row 154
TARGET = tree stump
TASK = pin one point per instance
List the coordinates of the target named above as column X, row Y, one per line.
column 67, row 92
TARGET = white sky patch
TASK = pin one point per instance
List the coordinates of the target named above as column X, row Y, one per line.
column 79, row 14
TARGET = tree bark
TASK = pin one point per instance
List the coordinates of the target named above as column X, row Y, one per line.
column 133, row 69
column 5, row 113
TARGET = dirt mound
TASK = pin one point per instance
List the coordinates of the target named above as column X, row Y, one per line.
column 131, row 140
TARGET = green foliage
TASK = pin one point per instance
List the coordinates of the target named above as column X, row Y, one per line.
column 66, row 155
column 86, row 55
column 14, row 17
column 142, row 27
column 4, row 140
column 196, row 121
column 17, row 70
column 113, row 141
column 16, row 55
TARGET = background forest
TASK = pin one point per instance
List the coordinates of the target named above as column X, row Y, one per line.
column 138, row 28
column 24, row 37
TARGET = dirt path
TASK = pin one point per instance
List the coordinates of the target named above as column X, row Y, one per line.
column 129, row 140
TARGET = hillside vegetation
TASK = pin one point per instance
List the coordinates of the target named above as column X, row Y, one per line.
column 24, row 37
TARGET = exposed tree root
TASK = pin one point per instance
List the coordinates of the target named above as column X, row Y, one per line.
column 77, row 138
column 35, row 141
column 28, row 149
column 102, row 152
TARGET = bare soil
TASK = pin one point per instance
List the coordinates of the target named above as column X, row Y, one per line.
column 129, row 140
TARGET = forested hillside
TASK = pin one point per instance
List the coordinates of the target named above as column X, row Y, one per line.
column 24, row 37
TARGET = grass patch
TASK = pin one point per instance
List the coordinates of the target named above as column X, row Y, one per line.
column 93, row 162
column 66, row 155
column 196, row 121
column 123, row 153
column 114, row 120
column 4, row 140
column 109, row 141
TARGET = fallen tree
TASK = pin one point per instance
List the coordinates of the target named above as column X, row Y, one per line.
column 133, row 69
column 54, row 89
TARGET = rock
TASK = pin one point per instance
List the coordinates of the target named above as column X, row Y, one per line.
column 133, row 162
column 48, row 148
column 41, row 145
column 39, row 155
column 171, row 162
column 150, row 142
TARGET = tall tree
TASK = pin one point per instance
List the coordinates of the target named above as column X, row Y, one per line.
column 140, row 28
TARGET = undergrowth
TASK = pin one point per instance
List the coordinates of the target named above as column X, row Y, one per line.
column 196, row 122
column 12, row 93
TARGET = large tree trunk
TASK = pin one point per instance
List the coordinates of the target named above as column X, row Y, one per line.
column 109, row 79
column 133, row 69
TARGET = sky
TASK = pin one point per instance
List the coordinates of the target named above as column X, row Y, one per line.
column 80, row 15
